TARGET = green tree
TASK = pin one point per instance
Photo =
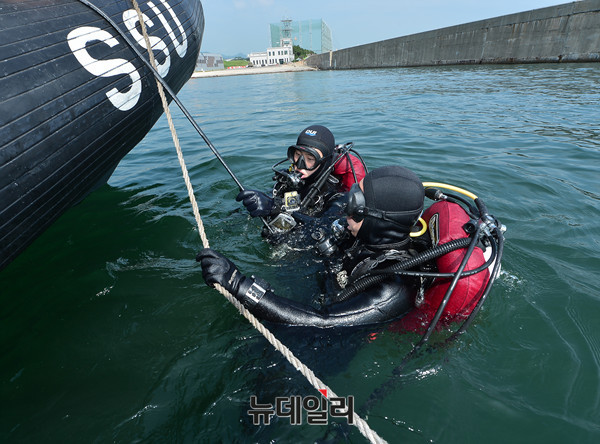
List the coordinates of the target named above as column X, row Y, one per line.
column 301, row 53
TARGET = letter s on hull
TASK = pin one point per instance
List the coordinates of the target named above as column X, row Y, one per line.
column 79, row 38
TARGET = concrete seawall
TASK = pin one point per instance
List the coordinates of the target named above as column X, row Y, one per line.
column 565, row 33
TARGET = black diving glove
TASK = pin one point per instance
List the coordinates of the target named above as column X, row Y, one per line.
column 217, row 269
column 257, row 203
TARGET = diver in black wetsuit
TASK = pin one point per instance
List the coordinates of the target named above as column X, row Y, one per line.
column 381, row 211
column 320, row 170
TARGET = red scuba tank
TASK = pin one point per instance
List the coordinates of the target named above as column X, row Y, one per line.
column 445, row 221
column 343, row 171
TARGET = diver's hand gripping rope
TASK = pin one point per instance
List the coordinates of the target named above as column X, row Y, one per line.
column 360, row 423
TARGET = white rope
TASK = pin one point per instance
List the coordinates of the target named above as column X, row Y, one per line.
column 360, row 423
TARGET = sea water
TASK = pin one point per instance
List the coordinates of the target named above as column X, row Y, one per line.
column 109, row 334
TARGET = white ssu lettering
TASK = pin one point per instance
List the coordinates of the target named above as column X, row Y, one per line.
column 126, row 100
column 130, row 18
column 181, row 48
column 79, row 38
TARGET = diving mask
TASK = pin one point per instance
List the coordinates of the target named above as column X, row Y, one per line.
column 305, row 157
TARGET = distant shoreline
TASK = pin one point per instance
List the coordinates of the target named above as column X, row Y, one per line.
column 290, row 67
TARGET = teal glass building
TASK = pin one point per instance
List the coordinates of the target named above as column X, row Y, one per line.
column 313, row 35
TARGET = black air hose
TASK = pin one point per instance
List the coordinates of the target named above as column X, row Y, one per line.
column 493, row 276
column 367, row 281
column 450, row 289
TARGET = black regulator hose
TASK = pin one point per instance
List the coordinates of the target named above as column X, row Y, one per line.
column 493, row 276
column 481, row 207
column 437, row 195
column 364, row 165
column 470, row 209
column 430, row 274
column 450, row 289
column 316, row 187
column 426, row 256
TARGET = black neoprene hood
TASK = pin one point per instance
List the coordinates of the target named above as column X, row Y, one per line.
column 399, row 192
column 317, row 136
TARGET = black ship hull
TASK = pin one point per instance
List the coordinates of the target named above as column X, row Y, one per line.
column 75, row 99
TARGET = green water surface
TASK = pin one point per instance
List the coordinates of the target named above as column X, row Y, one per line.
column 108, row 333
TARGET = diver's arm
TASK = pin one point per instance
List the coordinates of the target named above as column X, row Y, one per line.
column 380, row 303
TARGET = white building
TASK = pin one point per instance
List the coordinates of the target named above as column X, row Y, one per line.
column 258, row 58
column 276, row 55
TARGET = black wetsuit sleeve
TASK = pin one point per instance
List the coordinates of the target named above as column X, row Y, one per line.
column 380, row 303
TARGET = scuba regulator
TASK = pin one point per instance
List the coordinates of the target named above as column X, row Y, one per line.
column 328, row 245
